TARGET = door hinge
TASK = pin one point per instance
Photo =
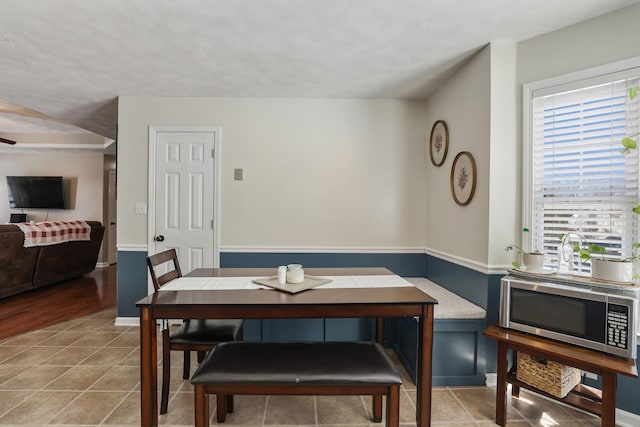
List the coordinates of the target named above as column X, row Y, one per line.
column 213, row 153
column 212, row 224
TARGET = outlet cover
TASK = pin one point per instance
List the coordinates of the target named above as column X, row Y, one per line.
column 591, row 375
column 237, row 174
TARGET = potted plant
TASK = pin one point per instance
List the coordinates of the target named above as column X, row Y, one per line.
column 613, row 270
column 602, row 268
column 529, row 261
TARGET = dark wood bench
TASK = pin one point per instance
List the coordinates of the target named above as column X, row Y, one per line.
column 295, row 368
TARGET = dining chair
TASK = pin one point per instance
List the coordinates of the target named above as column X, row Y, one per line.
column 194, row 334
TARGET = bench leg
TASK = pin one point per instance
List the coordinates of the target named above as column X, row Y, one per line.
column 186, row 365
column 222, row 408
column 393, row 406
column 229, row 404
column 377, row 408
column 200, row 406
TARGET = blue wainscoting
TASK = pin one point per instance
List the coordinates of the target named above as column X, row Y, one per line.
column 458, row 350
column 469, row 284
column 132, row 281
column 493, row 312
column 628, row 391
column 408, row 265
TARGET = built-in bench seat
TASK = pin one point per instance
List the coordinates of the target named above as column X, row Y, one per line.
column 458, row 344
column 450, row 305
column 293, row 368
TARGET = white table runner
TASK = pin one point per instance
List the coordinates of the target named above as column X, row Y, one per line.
column 218, row 283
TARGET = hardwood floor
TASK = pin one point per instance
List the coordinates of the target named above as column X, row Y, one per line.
column 52, row 304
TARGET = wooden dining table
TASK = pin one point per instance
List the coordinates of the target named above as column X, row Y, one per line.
column 322, row 302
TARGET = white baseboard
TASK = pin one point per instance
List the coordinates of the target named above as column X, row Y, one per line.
column 490, row 380
column 135, row 321
column 627, row 419
column 127, row 321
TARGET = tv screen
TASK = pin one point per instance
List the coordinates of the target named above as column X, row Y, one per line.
column 38, row 192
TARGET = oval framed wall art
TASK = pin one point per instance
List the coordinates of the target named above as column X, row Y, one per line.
column 438, row 142
column 463, row 178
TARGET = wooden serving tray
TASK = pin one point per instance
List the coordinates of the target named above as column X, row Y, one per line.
column 308, row 283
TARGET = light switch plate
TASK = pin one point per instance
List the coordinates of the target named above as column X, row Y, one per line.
column 237, row 174
column 141, row 208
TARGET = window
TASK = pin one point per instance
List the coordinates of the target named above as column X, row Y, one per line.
column 578, row 178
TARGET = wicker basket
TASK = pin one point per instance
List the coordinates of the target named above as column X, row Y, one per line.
column 551, row 377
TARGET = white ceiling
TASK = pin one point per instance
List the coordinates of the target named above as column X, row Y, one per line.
column 71, row 59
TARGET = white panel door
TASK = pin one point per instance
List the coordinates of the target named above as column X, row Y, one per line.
column 184, row 196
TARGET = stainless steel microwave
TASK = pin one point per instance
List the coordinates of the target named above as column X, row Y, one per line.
column 598, row 318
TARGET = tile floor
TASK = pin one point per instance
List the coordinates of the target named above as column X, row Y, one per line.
column 84, row 372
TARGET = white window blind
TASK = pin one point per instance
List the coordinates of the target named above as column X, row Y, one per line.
column 581, row 181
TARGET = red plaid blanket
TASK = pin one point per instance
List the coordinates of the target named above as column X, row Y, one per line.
column 54, row 232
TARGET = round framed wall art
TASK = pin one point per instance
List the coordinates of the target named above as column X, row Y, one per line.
column 438, row 142
column 463, row 178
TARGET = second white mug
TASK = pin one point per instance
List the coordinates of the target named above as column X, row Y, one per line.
column 295, row 273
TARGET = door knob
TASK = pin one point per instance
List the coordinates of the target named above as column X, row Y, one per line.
column 159, row 238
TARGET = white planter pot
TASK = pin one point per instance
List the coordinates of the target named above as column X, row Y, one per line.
column 611, row 270
column 533, row 261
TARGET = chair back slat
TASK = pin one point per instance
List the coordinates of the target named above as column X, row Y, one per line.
column 167, row 277
column 169, row 257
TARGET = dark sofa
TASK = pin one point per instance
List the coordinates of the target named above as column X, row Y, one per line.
column 23, row 269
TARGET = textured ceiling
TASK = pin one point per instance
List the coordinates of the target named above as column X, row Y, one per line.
column 71, row 59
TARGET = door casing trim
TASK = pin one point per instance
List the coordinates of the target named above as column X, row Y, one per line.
column 151, row 187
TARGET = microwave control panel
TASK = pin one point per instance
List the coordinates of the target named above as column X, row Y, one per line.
column 617, row 322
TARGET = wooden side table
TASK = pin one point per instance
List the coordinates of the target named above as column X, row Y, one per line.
column 598, row 402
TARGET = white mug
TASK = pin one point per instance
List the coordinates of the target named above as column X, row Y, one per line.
column 282, row 275
column 295, row 273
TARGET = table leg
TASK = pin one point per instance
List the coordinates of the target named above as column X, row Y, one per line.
column 425, row 356
column 377, row 399
column 515, row 389
column 501, row 386
column 148, row 369
column 609, row 384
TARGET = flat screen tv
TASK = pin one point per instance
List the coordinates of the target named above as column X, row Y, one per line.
column 36, row 192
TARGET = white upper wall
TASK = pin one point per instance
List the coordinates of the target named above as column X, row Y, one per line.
column 602, row 40
column 318, row 173
column 503, row 172
column 460, row 233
